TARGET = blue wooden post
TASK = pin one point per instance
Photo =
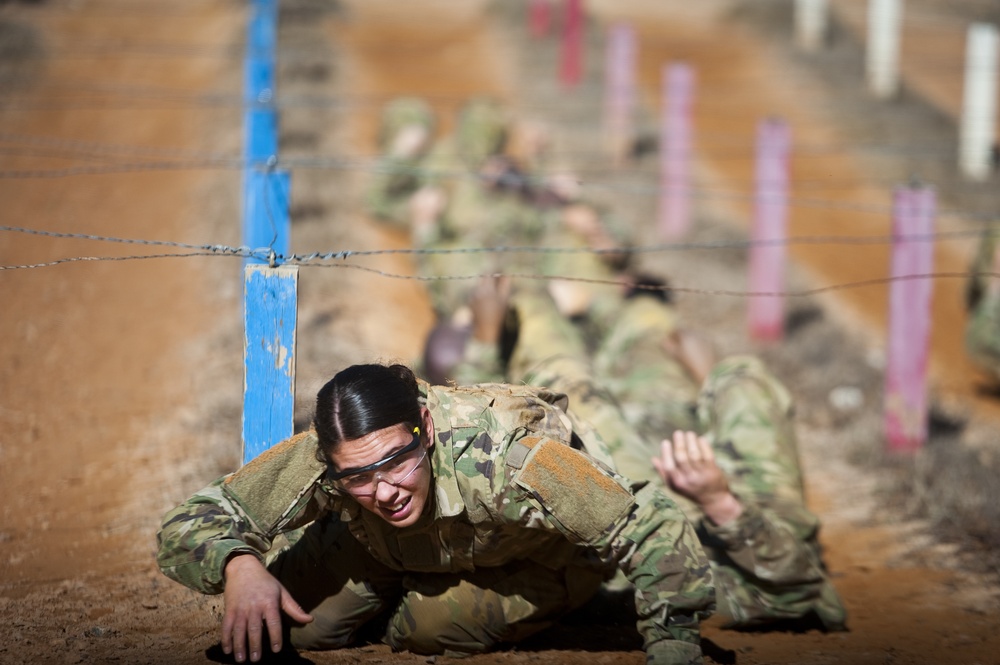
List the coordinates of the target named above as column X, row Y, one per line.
column 270, row 304
column 265, row 188
column 270, row 291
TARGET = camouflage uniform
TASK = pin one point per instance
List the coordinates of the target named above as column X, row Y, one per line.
column 767, row 562
column 397, row 177
column 522, row 527
column 982, row 329
column 657, row 394
column 478, row 214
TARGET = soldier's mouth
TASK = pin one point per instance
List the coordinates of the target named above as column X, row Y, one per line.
column 397, row 508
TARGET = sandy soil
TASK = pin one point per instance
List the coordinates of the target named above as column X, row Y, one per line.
column 122, row 380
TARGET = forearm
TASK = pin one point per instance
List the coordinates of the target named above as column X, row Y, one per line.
column 722, row 509
column 199, row 537
column 660, row 554
column 242, row 512
column 768, row 548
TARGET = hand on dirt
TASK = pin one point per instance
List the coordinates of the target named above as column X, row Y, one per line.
column 687, row 465
column 254, row 598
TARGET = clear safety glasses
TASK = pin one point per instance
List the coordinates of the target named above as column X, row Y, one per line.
column 394, row 470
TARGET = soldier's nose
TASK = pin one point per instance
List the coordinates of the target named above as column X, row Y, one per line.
column 385, row 493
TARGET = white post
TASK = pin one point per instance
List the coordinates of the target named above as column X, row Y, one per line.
column 979, row 102
column 811, row 18
column 882, row 55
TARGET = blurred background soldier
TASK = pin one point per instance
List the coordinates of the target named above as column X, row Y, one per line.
column 740, row 483
column 473, row 197
column 405, row 133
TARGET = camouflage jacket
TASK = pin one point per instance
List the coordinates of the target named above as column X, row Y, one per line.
column 508, row 485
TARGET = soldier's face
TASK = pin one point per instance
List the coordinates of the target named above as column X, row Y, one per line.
column 399, row 504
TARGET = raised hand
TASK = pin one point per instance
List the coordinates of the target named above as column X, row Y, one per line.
column 687, row 465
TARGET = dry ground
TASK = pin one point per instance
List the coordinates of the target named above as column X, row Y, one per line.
column 122, row 380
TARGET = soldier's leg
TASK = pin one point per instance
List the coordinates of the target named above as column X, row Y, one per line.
column 655, row 390
column 333, row 578
column 463, row 614
column 748, row 415
column 550, row 353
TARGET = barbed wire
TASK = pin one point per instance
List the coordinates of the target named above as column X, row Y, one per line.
column 734, row 244
column 801, row 293
column 709, row 102
column 84, row 259
column 371, row 166
column 739, row 145
column 618, row 283
column 269, row 256
column 914, row 56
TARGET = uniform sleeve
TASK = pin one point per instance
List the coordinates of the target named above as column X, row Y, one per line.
column 241, row 513
column 198, row 537
column 644, row 533
column 658, row 550
column 768, row 548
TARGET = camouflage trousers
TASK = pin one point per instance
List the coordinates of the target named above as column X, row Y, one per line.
column 333, row 577
column 741, row 408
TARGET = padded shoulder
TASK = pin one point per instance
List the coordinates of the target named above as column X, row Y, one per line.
column 581, row 495
column 272, row 483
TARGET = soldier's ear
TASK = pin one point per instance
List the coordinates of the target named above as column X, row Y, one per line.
column 427, row 427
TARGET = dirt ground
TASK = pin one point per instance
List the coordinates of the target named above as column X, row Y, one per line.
column 122, row 380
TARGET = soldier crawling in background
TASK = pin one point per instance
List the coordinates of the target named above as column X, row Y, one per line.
column 650, row 381
column 406, row 132
column 483, row 187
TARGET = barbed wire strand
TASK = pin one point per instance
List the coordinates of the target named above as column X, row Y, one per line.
column 876, row 281
column 234, row 163
column 742, row 244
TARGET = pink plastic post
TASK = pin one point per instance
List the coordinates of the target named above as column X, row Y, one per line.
column 619, row 89
column 909, row 319
column 539, row 18
column 767, row 252
column 572, row 44
column 675, row 150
